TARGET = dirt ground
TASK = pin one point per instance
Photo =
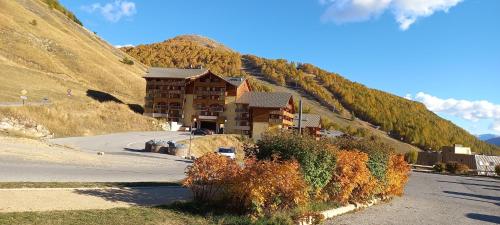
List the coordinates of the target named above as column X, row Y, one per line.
column 48, row 199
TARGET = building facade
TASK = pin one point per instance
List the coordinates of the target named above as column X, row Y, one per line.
column 202, row 99
column 310, row 124
column 481, row 164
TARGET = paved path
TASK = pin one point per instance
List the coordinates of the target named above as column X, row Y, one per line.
column 123, row 160
column 47, row 199
column 435, row 199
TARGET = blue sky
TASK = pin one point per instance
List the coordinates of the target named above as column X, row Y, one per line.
column 444, row 51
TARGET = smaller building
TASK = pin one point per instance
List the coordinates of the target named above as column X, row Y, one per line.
column 481, row 164
column 310, row 124
column 457, row 149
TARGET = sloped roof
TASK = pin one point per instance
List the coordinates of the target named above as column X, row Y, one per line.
column 483, row 162
column 235, row 81
column 308, row 120
column 265, row 99
column 158, row 72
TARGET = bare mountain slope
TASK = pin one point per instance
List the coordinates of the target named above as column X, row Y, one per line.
column 46, row 53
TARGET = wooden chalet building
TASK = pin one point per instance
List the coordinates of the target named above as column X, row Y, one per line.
column 202, row 99
column 311, row 124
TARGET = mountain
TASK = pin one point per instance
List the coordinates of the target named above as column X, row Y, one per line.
column 494, row 141
column 45, row 51
column 485, row 137
column 345, row 105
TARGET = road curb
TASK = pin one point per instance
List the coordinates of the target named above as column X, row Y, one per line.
column 87, row 188
column 328, row 214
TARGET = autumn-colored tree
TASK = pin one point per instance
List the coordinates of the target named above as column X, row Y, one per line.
column 211, row 176
column 352, row 180
column 398, row 172
column 268, row 186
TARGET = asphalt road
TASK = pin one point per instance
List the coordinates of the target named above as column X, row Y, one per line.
column 435, row 199
column 123, row 152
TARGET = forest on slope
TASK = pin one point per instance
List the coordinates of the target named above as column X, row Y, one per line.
column 402, row 119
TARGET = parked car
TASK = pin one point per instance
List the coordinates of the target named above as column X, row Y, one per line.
column 207, row 131
column 199, row 132
column 227, row 151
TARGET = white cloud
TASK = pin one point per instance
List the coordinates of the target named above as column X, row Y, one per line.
column 121, row 46
column 495, row 126
column 469, row 110
column 406, row 12
column 113, row 11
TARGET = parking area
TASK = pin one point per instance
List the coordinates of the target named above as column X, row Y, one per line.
column 435, row 199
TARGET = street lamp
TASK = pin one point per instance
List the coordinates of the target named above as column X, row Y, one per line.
column 191, row 137
column 224, row 126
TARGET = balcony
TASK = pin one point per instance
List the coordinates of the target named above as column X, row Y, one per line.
column 281, row 122
column 282, row 113
column 221, row 93
column 210, row 84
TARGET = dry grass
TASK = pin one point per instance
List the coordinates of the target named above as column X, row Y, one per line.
column 79, row 118
column 55, row 55
column 207, row 144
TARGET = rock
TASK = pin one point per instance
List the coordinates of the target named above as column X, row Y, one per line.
column 28, row 128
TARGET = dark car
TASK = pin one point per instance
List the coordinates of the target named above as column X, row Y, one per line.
column 199, row 132
column 207, row 131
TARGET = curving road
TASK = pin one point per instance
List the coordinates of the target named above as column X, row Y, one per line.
column 123, row 161
column 435, row 199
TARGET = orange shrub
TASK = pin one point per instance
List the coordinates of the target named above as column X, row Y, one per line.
column 398, row 172
column 210, row 176
column 267, row 186
column 352, row 180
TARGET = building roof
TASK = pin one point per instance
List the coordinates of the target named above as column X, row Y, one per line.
column 157, row 72
column 486, row 163
column 308, row 120
column 265, row 99
column 235, row 81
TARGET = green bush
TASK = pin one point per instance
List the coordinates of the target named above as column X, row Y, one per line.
column 411, row 157
column 497, row 170
column 456, row 168
column 440, row 167
column 127, row 61
column 315, row 157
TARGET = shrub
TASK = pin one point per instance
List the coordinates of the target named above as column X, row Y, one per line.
column 397, row 176
column 352, row 180
column 127, row 61
column 440, row 167
column 265, row 187
column 378, row 153
column 497, row 170
column 411, row 157
column 210, row 177
column 33, row 22
column 316, row 158
column 456, row 168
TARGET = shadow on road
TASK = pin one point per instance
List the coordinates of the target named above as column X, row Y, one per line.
column 142, row 196
column 473, row 184
column 496, row 199
column 484, row 180
column 483, row 217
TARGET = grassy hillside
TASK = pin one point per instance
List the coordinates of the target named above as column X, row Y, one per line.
column 345, row 105
column 45, row 52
